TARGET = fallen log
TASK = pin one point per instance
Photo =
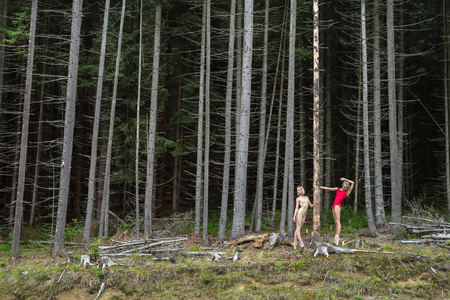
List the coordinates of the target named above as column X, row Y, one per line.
column 248, row 239
column 325, row 249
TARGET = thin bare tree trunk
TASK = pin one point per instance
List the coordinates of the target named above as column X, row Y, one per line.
column 393, row 144
column 207, row 123
column 152, row 125
column 446, row 21
column 201, row 106
column 316, row 125
column 277, row 162
column 69, row 126
column 15, row 253
column 38, row 156
column 228, row 99
column 290, row 118
column 95, row 130
column 104, row 214
column 277, row 152
column 367, row 184
column 138, row 123
column 238, row 227
column 262, row 125
column 380, row 216
column 3, row 24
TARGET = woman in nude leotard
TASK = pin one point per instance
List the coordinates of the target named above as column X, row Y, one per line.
column 341, row 193
column 301, row 207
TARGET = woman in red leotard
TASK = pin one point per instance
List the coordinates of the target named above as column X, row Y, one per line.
column 341, row 193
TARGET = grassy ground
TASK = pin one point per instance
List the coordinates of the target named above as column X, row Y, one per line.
column 410, row 272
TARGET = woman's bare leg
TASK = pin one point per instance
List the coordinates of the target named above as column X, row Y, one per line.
column 337, row 222
column 302, row 221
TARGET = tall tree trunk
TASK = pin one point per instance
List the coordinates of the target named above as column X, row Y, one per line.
column 446, row 21
column 69, row 125
column 316, row 125
column 239, row 45
column 228, row 101
column 238, row 227
column 24, row 137
column 302, row 131
column 290, row 118
column 38, row 156
column 138, row 123
column 277, row 151
column 393, row 144
column 365, row 89
column 94, row 142
column 357, row 153
column 201, row 106
column 3, row 24
column 262, row 125
column 277, row 155
column 177, row 158
column 152, row 125
column 401, row 103
column 380, row 216
column 104, row 213
column 207, row 123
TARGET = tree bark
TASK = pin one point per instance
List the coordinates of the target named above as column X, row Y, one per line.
column 138, row 123
column 446, row 21
column 367, row 186
column 15, row 252
column 238, row 227
column 262, row 125
column 201, row 106
column 152, row 125
column 207, row 123
column 104, row 213
column 95, row 130
column 290, row 118
column 228, row 101
column 69, row 125
column 393, row 143
column 3, row 24
column 380, row 216
column 316, row 125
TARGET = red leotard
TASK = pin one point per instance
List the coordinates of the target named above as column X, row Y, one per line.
column 340, row 195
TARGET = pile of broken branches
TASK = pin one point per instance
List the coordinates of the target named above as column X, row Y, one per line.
column 143, row 247
column 427, row 230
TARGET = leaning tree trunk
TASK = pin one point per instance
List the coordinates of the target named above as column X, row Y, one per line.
column 228, row 97
column 24, row 137
column 393, row 143
column 365, row 89
column 69, row 125
column 152, row 125
column 95, row 130
column 104, row 213
column 238, row 226
column 316, row 125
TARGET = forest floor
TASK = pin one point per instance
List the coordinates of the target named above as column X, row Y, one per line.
column 400, row 272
